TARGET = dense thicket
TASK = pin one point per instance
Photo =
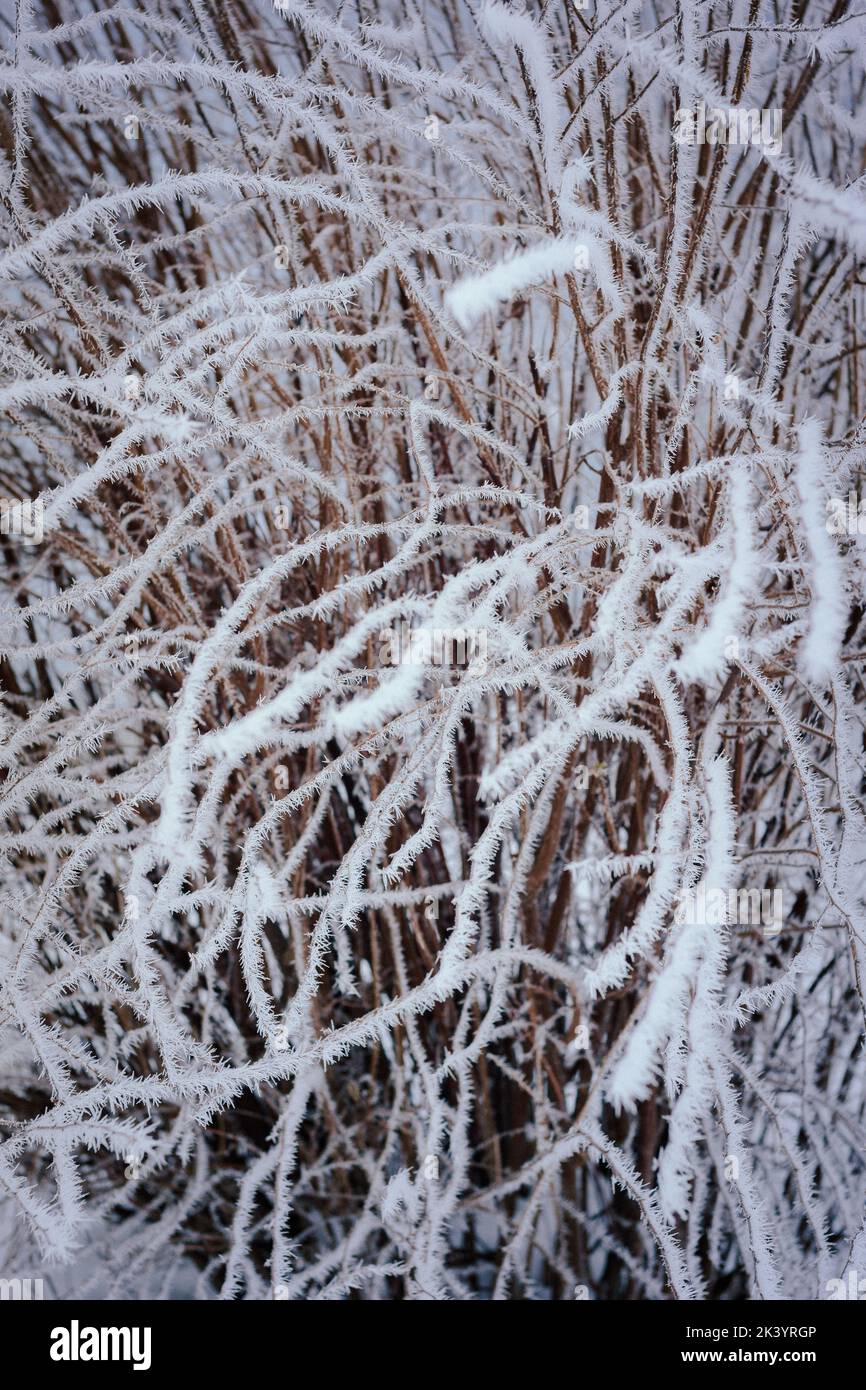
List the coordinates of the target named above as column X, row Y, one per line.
column 327, row 974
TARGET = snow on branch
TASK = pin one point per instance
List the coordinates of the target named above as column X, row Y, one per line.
column 432, row 762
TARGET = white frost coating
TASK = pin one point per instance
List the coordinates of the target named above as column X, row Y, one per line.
column 828, row 610
column 476, row 295
column 709, row 652
column 432, row 767
column 697, row 1053
column 500, row 22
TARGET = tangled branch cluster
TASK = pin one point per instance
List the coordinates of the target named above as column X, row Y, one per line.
column 331, row 973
